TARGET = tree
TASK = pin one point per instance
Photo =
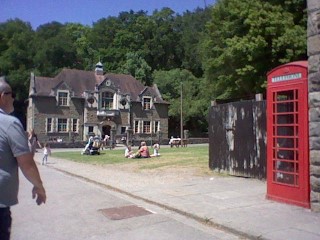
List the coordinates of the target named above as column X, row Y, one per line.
column 16, row 51
column 194, row 110
column 245, row 40
column 190, row 26
column 113, row 38
column 137, row 67
column 162, row 45
column 55, row 49
column 86, row 55
column 220, row 52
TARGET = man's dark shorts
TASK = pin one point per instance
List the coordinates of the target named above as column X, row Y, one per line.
column 5, row 223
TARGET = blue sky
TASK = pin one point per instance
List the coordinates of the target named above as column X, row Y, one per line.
column 86, row 12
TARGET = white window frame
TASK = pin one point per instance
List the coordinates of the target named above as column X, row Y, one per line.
column 54, row 124
column 64, row 100
column 147, row 105
column 110, row 100
column 75, row 123
column 49, row 123
column 66, row 125
column 144, row 125
column 136, row 124
column 156, row 126
column 92, row 129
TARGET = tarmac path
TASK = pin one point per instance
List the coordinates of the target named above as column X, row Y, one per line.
column 74, row 212
column 183, row 206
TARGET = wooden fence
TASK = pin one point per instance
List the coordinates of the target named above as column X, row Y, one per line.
column 237, row 138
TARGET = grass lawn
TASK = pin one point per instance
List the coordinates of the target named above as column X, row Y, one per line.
column 196, row 157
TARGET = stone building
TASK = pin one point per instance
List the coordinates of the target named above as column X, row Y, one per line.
column 314, row 100
column 76, row 104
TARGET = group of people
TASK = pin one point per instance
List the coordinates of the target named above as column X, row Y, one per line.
column 143, row 151
column 95, row 143
column 17, row 150
column 15, row 153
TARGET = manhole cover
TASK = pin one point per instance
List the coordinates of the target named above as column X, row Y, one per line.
column 124, row 212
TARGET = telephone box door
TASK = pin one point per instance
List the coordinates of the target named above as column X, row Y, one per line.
column 287, row 135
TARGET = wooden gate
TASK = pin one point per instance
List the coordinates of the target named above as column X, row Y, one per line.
column 237, row 138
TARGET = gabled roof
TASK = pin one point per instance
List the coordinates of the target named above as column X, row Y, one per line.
column 80, row 81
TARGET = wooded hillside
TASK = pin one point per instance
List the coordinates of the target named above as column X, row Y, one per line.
column 221, row 52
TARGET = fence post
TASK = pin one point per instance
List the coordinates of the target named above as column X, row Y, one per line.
column 213, row 103
column 259, row 97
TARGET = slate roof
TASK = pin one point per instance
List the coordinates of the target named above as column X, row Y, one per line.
column 80, row 81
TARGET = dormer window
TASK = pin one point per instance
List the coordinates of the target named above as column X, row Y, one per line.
column 146, row 103
column 107, row 100
column 63, row 98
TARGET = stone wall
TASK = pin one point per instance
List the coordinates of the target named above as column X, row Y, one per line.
column 160, row 113
column 314, row 100
column 46, row 107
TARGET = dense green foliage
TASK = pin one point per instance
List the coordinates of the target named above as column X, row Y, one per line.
column 221, row 52
column 246, row 39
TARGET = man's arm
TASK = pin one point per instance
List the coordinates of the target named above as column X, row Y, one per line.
column 30, row 171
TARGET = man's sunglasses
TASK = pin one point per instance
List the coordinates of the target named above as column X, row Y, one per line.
column 13, row 95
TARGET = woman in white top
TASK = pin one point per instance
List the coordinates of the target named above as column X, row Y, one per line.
column 156, row 148
column 128, row 152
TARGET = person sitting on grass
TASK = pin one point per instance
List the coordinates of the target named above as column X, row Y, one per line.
column 156, row 148
column 128, row 153
column 143, row 151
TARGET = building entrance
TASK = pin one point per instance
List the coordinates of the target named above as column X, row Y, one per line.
column 106, row 130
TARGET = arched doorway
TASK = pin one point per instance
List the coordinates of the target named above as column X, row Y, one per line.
column 106, row 130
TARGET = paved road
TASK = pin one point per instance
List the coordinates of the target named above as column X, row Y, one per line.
column 235, row 205
column 73, row 211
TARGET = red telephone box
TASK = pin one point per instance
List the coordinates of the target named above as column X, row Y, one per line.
column 287, row 134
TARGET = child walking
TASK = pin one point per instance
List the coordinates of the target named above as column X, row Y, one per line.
column 46, row 152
